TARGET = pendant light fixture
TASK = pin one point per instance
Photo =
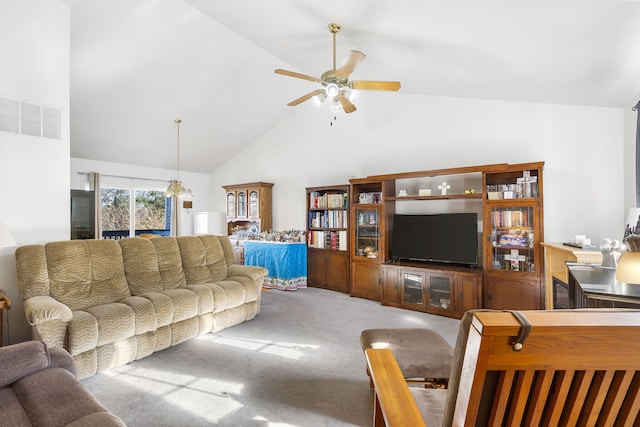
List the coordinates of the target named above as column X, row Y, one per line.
column 175, row 188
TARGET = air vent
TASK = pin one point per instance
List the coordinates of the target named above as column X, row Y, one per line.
column 28, row 118
column 9, row 115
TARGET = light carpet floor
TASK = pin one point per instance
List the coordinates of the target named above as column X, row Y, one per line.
column 297, row 364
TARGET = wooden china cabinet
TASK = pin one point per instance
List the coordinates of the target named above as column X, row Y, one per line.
column 248, row 208
column 513, row 230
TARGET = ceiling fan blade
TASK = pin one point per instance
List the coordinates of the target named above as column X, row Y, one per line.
column 297, row 75
column 374, row 85
column 305, row 97
column 347, row 105
column 350, row 63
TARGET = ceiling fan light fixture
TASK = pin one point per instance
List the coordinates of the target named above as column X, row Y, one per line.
column 352, row 95
column 332, row 90
column 336, row 106
column 335, row 82
column 320, row 98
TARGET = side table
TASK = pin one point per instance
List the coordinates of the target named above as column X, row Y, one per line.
column 5, row 302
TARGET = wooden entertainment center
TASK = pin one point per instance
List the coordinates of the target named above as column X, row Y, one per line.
column 509, row 203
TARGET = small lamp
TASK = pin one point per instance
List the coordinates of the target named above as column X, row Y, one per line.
column 6, row 239
column 628, row 270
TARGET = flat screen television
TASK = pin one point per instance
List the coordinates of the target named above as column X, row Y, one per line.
column 447, row 238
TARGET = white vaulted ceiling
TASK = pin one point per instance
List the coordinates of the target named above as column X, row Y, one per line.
column 136, row 65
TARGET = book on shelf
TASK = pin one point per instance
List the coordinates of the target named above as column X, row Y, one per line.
column 318, row 200
column 510, row 218
column 342, row 240
column 334, row 240
column 328, row 219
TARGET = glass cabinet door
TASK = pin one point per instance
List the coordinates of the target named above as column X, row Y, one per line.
column 242, row 204
column 231, row 205
column 253, row 204
column 413, row 287
column 440, row 289
column 512, row 238
column 367, row 233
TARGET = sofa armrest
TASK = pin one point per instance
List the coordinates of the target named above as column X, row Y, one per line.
column 43, row 309
column 61, row 358
column 394, row 404
column 253, row 272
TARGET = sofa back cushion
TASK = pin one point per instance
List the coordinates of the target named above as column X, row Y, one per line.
column 86, row 273
column 203, row 258
column 169, row 262
column 152, row 265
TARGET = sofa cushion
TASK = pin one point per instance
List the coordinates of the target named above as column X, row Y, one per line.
column 250, row 288
column 82, row 333
column 235, row 293
column 145, row 315
column 203, row 259
column 185, row 304
column 141, row 265
column 116, row 322
column 163, row 306
column 86, row 273
column 169, row 263
column 11, row 411
column 152, row 265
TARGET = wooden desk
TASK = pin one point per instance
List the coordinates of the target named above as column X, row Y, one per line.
column 556, row 255
column 5, row 302
column 592, row 286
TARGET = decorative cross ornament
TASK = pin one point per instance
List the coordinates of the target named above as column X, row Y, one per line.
column 444, row 187
column 526, row 181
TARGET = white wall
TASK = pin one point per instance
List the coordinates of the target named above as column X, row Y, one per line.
column 35, row 171
column 582, row 148
column 197, row 182
column 630, row 123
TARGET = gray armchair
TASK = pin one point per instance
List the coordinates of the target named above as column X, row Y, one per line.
column 39, row 386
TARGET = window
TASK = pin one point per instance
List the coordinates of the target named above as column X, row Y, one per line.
column 132, row 212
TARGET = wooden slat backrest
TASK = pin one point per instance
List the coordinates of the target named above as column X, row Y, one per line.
column 576, row 368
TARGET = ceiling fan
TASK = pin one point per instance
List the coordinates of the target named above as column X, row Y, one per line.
column 336, row 82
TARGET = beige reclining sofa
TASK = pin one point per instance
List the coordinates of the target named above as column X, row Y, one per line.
column 109, row 302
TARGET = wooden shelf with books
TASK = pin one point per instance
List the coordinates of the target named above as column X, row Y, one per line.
column 328, row 237
column 513, row 230
column 495, row 262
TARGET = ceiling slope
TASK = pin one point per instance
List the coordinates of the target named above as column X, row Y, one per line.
column 136, row 65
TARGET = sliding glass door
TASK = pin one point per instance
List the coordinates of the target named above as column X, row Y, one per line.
column 127, row 212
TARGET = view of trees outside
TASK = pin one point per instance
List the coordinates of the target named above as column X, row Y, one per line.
column 115, row 204
column 116, row 208
column 150, row 210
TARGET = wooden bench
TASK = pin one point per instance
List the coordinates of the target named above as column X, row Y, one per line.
column 575, row 368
